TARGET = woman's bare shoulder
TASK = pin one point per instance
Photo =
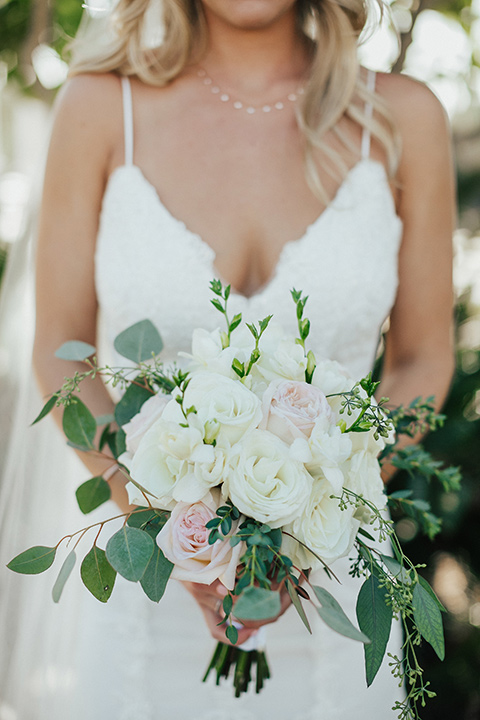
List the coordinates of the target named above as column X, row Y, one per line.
column 416, row 111
column 89, row 109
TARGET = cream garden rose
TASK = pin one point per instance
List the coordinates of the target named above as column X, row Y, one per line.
column 264, row 481
column 323, row 527
column 162, row 460
column 150, row 411
column 184, row 541
column 216, row 397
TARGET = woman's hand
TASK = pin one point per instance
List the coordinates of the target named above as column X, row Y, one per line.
column 210, row 599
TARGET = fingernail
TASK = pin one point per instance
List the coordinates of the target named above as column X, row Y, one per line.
column 222, row 591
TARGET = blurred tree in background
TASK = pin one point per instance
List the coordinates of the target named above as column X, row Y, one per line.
column 438, row 42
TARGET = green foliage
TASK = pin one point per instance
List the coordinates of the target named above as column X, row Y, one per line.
column 157, row 573
column 33, row 561
column 129, row 551
column 47, row 408
column 428, row 619
column 63, row 575
column 79, row 424
column 374, row 617
column 333, row 615
column 97, row 574
column 75, row 350
column 93, row 493
column 139, row 342
column 149, row 520
column 294, row 597
column 132, row 400
column 257, row 603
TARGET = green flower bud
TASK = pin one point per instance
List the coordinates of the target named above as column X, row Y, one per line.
column 225, row 340
column 211, row 429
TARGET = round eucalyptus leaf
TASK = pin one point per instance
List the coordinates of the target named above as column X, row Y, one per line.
column 139, row 342
column 79, row 424
column 75, row 350
column 257, row 604
column 93, row 493
column 129, row 552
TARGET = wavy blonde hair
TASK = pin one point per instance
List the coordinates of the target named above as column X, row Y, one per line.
column 334, row 88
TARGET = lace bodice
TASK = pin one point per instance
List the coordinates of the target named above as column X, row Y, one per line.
column 149, row 264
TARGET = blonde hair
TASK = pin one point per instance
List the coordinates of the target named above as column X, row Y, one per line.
column 335, row 86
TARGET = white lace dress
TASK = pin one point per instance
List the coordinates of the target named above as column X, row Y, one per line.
column 135, row 659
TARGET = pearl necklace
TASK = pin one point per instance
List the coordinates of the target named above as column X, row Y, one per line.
column 249, row 108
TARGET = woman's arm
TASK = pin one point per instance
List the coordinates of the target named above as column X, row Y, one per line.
column 86, row 132
column 419, row 353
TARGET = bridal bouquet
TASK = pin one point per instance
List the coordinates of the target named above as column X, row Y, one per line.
column 253, row 463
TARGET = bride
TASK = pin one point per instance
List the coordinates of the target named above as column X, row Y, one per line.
column 247, row 145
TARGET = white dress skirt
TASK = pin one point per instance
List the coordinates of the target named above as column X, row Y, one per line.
column 131, row 658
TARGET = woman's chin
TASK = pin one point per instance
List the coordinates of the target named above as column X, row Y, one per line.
column 248, row 14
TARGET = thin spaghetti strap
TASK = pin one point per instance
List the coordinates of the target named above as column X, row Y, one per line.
column 371, row 78
column 127, row 120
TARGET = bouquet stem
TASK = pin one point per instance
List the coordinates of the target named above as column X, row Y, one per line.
column 245, row 664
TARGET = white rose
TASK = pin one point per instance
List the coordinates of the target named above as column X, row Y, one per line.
column 208, row 353
column 216, row 397
column 206, row 470
column 281, row 357
column 291, row 409
column 150, row 411
column 160, row 461
column 362, row 475
column 323, row 527
column 329, row 448
column 331, row 377
column 184, row 541
column 264, row 481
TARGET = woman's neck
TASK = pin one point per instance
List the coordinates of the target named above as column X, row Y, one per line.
column 254, row 60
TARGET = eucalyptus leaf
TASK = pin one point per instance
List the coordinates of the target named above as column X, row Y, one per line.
column 297, row 604
column 395, row 568
column 75, row 350
column 131, row 402
column 97, row 574
column 48, row 407
column 431, row 592
column 104, row 419
column 157, row 573
column 33, row 561
column 63, row 575
column 79, row 424
column 375, row 620
column 428, row 619
column 148, row 520
column 129, row 552
column 257, row 604
column 400, row 494
column 93, row 493
column 139, row 342
column 333, row 615
column 119, row 446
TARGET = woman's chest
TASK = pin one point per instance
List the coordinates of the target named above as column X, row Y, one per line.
column 148, row 264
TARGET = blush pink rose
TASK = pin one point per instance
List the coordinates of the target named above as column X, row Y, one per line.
column 184, row 541
column 291, row 409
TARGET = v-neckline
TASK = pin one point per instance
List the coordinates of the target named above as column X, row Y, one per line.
column 196, row 237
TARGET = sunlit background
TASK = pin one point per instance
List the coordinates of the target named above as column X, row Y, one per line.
column 438, row 42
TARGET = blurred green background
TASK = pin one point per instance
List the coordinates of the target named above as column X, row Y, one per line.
column 437, row 41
